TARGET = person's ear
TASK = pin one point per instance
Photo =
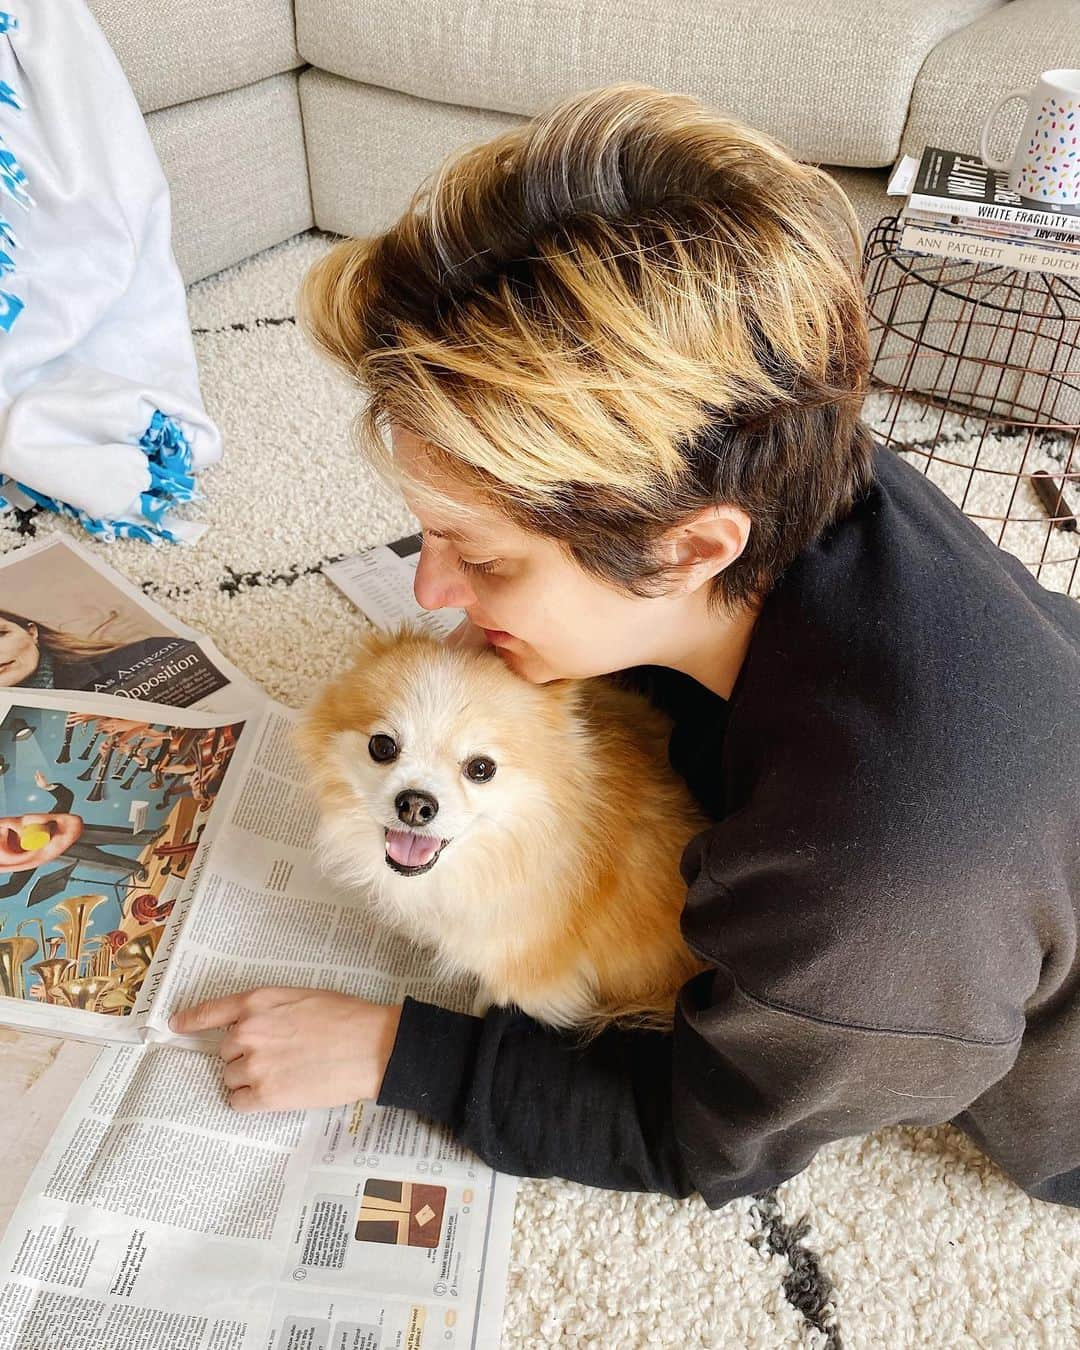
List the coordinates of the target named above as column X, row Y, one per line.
column 703, row 545
column 32, row 629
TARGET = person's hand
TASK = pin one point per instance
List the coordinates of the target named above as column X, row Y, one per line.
column 289, row 1049
column 467, row 637
column 108, row 726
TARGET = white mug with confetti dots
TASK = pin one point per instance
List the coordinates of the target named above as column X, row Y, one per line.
column 1045, row 166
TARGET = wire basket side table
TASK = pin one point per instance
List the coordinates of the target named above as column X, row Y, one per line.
column 982, row 363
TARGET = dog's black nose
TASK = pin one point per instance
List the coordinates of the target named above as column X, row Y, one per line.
column 415, row 807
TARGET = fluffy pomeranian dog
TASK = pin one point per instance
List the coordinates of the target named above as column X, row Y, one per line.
column 530, row 833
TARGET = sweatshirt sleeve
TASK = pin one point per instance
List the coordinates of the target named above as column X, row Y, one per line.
column 737, row 1098
column 528, row 1100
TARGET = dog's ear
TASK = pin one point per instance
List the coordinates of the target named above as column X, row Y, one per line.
column 373, row 642
column 566, row 692
column 376, row 642
column 562, row 683
column 367, row 645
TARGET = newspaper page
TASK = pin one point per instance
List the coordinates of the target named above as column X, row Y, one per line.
column 379, row 582
column 68, row 621
column 158, row 1217
column 104, row 821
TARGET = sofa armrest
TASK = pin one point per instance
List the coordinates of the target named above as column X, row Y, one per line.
column 969, row 70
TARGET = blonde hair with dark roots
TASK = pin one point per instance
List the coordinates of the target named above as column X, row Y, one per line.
column 620, row 312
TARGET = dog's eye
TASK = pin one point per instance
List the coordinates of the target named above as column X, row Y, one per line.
column 480, row 769
column 382, row 748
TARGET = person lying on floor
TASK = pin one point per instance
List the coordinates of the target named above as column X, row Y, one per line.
column 632, row 335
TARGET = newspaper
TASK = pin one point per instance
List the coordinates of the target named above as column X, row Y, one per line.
column 903, row 175
column 379, row 582
column 153, row 855
column 68, row 622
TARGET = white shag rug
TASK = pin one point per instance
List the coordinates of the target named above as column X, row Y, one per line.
column 907, row 1237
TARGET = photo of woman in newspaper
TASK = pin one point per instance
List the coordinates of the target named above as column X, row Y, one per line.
column 99, row 820
column 34, row 655
column 65, row 624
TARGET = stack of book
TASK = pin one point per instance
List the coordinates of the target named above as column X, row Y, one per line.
column 958, row 207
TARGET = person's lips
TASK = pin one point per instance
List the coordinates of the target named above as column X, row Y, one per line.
column 496, row 635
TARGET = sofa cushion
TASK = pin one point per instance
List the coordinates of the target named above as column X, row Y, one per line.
column 831, row 81
column 965, row 75
column 237, row 173
column 368, row 149
column 174, row 52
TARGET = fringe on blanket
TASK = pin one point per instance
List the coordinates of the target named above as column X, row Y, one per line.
column 13, row 182
column 169, row 457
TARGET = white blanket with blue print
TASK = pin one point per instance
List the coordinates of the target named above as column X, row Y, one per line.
column 101, row 416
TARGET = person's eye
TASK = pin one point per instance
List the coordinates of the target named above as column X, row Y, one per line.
column 478, row 567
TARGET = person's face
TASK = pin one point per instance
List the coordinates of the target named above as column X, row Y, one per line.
column 18, row 652
column 557, row 620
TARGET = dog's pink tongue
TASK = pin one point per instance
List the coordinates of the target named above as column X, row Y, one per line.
column 411, row 850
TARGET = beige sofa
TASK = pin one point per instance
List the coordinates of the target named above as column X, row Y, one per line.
column 272, row 117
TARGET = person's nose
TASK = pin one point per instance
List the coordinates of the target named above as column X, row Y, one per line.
column 438, row 584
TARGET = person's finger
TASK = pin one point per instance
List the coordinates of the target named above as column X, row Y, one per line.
column 214, row 1012
column 237, row 1074
column 230, row 1047
column 243, row 1099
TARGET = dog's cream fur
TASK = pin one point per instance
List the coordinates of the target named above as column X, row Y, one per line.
column 559, row 886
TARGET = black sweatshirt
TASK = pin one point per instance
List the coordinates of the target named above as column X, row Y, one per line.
column 888, row 897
